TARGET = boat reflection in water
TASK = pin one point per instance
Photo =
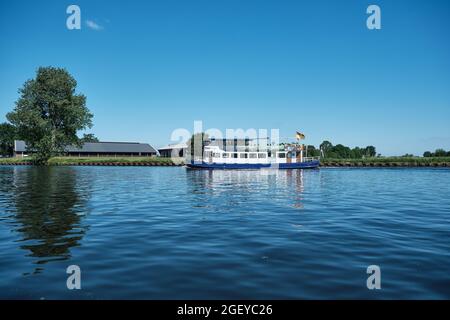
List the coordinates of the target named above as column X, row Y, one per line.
column 241, row 187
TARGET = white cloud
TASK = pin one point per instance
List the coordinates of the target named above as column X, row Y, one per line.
column 94, row 26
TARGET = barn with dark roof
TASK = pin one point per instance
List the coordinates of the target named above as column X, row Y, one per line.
column 98, row 149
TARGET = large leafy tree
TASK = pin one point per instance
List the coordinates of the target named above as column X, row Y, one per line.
column 7, row 136
column 49, row 113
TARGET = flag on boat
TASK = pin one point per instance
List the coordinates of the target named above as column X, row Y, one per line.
column 299, row 136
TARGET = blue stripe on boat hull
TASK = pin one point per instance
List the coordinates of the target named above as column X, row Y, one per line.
column 302, row 165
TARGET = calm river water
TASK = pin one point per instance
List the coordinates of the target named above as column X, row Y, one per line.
column 160, row 233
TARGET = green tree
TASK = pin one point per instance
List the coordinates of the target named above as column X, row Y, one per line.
column 326, row 147
column 371, row 151
column 49, row 113
column 357, row 153
column 331, row 155
column 312, row 151
column 89, row 137
column 342, row 151
column 8, row 134
column 440, row 153
column 427, row 154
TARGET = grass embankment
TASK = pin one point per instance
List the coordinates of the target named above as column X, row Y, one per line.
column 111, row 161
column 156, row 161
column 388, row 162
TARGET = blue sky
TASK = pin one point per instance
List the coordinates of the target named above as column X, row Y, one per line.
column 154, row 66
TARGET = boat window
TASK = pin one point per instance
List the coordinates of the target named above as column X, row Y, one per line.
column 235, row 155
column 252, row 155
column 243, row 156
column 216, row 155
column 262, row 155
column 282, row 155
column 225, row 155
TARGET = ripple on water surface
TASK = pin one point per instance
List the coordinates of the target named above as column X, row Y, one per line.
column 147, row 232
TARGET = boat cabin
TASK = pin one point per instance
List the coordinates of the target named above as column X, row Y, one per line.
column 213, row 154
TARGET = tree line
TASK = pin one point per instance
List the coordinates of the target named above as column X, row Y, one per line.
column 438, row 153
column 339, row 151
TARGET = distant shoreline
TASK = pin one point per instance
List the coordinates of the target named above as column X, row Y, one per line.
column 98, row 164
column 386, row 165
column 96, row 161
column 388, row 162
column 158, row 161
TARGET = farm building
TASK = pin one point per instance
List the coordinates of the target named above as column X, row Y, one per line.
column 97, row 149
column 173, row 150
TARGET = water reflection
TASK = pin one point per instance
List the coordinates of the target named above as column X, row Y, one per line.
column 240, row 186
column 295, row 183
column 49, row 206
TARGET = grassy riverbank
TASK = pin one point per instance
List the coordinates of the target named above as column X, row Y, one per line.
column 95, row 161
column 389, row 162
column 157, row 161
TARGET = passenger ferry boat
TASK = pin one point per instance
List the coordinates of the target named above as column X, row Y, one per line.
column 282, row 157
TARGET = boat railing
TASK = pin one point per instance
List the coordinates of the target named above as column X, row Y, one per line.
column 200, row 159
column 308, row 159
